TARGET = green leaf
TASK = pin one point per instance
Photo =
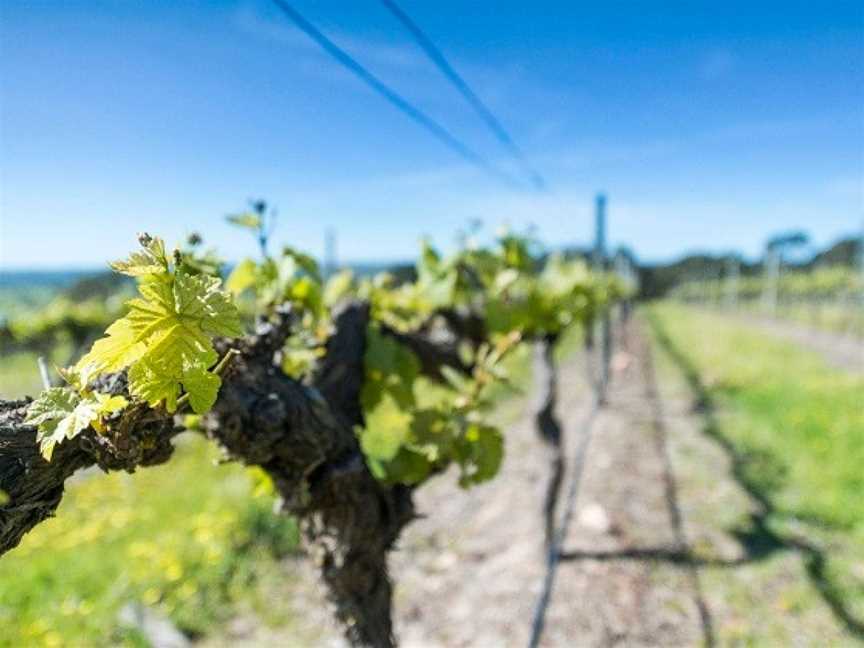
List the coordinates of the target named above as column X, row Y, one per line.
column 306, row 292
column 167, row 337
column 76, row 421
column 390, row 368
column 60, row 413
column 155, row 384
column 439, row 290
column 4, row 497
column 337, row 287
column 429, row 262
column 407, row 467
column 479, row 452
column 150, row 260
column 387, row 428
column 52, row 405
column 303, row 261
column 105, row 405
column 247, row 220
column 108, row 404
column 431, row 434
column 112, row 353
column 296, row 361
column 202, row 387
column 242, row 277
column 455, row 378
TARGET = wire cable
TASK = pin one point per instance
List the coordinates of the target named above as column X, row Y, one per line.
column 465, row 90
column 402, row 104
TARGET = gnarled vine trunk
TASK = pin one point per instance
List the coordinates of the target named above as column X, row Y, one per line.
column 301, row 434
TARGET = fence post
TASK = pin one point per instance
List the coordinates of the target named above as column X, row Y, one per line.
column 771, row 272
column 605, row 320
column 329, row 268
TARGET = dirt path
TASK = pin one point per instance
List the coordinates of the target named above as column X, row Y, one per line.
column 651, row 558
column 470, row 574
column 610, row 589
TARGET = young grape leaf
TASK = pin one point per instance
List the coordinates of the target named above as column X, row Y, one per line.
column 167, row 335
column 117, row 350
column 390, row 368
column 431, row 434
column 407, row 467
column 153, row 384
column 306, row 292
column 337, row 287
column 303, row 261
column 202, row 387
column 242, row 277
column 247, row 220
column 479, row 453
column 150, row 260
column 60, row 413
column 387, row 428
column 53, row 403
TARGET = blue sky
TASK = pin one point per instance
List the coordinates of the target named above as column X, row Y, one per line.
column 709, row 125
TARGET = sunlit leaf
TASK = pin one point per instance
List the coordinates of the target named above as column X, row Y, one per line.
column 151, row 259
column 387, row 428
column 247, row 220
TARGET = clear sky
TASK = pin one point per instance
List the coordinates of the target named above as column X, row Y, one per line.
column 710, row 125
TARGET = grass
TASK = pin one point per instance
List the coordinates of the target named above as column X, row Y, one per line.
column 794, row 430
column 197, row 541
column 831, row 317
column 786, row 406
column 189, row 538
column 19, row 375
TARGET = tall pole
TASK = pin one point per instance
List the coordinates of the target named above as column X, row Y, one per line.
column 771, row 272
column 600, row 233
column 329, row 253
column 605, row 321
column 861, row 255
column 858, row 300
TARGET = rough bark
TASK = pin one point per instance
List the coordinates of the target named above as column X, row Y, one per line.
column 548, row 427
column 35, row 487
column 301, row 434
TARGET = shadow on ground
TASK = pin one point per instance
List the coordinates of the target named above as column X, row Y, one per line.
column 758, row 540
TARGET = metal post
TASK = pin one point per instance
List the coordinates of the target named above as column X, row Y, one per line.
column 329, row 253
column 858, row 308
column 600, row 233
column 605, row 321
column 771, row 272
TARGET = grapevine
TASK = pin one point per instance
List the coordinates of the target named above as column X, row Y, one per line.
column 349, row 394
